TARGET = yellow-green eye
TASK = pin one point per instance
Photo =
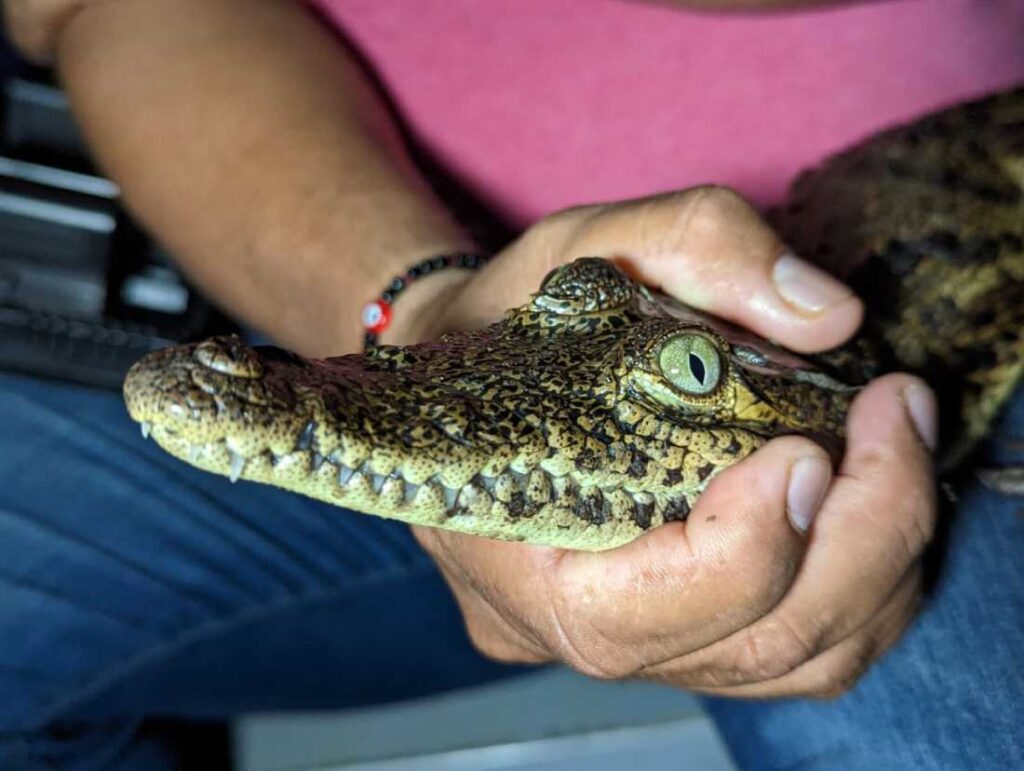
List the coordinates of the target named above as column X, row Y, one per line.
column 691, row 363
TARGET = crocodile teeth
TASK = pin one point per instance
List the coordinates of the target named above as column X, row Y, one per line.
column 450, row 496
column 237, row 466
column 345, row 474
column 193, row 453
column 305, row 440
column 145, row 427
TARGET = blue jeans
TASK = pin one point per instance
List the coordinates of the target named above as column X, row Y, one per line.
column 133, row 585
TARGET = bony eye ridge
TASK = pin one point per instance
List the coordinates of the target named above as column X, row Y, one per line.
column 691, row 363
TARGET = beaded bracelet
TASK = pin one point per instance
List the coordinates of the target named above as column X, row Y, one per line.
column 376, row 314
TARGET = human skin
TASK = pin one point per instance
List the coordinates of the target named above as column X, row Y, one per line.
column 252, row 144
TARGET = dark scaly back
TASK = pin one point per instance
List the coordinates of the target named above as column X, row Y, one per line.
column 927, row 223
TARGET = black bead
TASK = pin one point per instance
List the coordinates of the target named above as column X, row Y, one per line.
column 422, row 268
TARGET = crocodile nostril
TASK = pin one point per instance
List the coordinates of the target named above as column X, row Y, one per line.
column 229, row 356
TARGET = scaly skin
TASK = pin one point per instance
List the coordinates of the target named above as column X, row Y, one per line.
column 926, row 222
column 555, row 426
column 600, row 410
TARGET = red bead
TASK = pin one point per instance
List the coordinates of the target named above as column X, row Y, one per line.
column 376, row 316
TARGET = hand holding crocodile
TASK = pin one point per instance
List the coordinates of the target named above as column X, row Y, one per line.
column 740, row 599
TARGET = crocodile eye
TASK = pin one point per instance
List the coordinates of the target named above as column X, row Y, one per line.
column 691, row 363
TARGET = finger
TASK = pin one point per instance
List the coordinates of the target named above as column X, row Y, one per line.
column 686, row 585
column 710, row 248
column 880, row 514
column 872, row 527
column 837, row 669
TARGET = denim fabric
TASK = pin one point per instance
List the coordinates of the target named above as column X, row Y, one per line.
column 133, row 585
column 950, row 695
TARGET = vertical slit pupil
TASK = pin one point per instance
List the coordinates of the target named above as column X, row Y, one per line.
column 697, row 368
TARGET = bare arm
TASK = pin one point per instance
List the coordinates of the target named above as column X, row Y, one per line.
column 258, row 152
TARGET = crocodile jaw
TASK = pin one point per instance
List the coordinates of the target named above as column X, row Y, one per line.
column 209, row 405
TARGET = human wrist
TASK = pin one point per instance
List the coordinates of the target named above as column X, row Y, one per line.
column 396, row 232
column 418, row 313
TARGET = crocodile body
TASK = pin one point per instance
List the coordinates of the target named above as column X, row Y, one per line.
column 601, row 409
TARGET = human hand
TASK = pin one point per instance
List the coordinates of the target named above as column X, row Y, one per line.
column 783, row 581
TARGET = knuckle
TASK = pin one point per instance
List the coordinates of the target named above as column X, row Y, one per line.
column 911, row 520
column 917, row 527
column 914, row 535
column 716, row 199
column 875, row 460
column 838, row 676
column 709, row 207
column 769, row 651
column 913, row 516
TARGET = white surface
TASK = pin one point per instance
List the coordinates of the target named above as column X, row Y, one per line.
column 553, row 719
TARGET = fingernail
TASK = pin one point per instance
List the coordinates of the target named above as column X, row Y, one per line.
column 924, row 413
column 806, row 286
column 809, row 479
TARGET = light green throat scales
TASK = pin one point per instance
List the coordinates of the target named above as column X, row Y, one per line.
column 600, row 409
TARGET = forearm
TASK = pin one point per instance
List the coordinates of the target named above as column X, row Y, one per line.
column 251, row 144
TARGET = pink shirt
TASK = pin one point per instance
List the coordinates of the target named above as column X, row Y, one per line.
column 542, row 104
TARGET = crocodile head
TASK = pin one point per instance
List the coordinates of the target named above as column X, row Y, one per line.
column 596, row 411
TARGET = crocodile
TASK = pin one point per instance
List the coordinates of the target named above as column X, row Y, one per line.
column 602, row 408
